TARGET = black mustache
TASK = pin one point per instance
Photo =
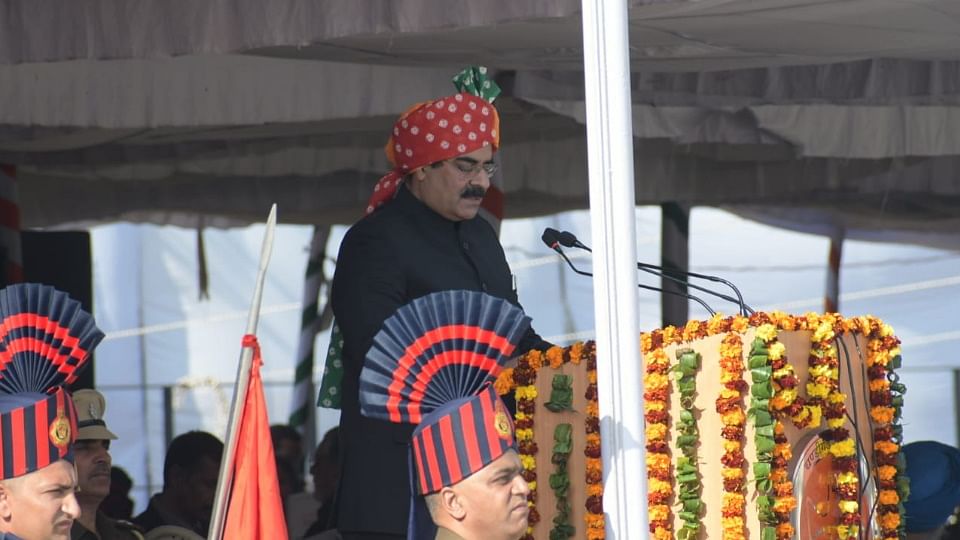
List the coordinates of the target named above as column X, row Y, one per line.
column 473, row 192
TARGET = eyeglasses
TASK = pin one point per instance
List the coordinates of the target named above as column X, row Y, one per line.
column 470, row 167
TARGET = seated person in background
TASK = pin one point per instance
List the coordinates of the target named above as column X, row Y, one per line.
column 934, row 471
column 288, row 446
column 118, row 504
column 190, row 473
column 326, row 473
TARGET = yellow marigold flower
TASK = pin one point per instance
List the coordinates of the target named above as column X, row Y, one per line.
column 731, row 474
column 894, row 351
column 658, row 460
column 817, row 390
column 877, row 385
column 520, row 416
column 785, row 504
column 837, row 397
column 846, row 478
column 655, row 485
column 656, row 432
column 655, row 381
column 777, row 350
column 889, row 496
column 882, row 415
column 823, row 332
column 727, row 393
column 526, row 392
column 783, row 372
column 824, row 371
column 731, row 446
column 783, row 399
column 733, row 525
column 658, row 512
column 886, row 447
column 845, row 448
column 816, row 415
column 734, row 417
column 654, row 405
column 592, row 376
column 849, row 507
column 886, row 330
column 529, row 462
column 530, row 530
column 662, row 534
column 766, row 332
column 690, row 329
column 890, row 521
column 715, row 324
column 846, row 531
column 801, row 416
column 739, row 324
column 670, row 334
column 525, row 434
column 593, row 439
column 835, row 423
column 778, row 476
column 533, row 485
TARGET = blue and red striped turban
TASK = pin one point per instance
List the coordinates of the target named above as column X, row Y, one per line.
column 45, row 341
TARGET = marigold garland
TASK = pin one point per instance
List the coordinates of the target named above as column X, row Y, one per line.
column 733, row 417
column 886, row 400
column 656, row 386
column 522, row 381
column 785, row 403
column 825, row 369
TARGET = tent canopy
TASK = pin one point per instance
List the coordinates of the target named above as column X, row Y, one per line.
column 177, row 112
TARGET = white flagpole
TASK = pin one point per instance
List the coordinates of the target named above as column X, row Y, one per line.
column 606, row 71
column 225, row 481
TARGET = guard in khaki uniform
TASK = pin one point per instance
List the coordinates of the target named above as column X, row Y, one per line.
column 432, row 364
column 45, row 340
column 92, row 459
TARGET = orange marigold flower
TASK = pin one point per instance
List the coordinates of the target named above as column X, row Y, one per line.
column 886, row 447
column 594, row 489
column 555, row 357
column 596, row 534
column 783, row 505
column 785, row 530
column 592, row 376
column 662, row 534
column 504, row 383
column 879, row 385
column 890, row 520
column 576, row 352
column 889, row 496
column 739, row 324
column 886, row 472
column 535, row 359
column 593, row 409
column 594, row 521
column 882, row 415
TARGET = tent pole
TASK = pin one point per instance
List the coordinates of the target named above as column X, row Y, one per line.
column 674, row 255
column 831, row 297
column 613, row 223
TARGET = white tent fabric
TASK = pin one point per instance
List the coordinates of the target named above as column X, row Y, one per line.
column 665, row 35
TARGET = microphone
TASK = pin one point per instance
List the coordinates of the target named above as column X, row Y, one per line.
column 568, row 239
column 552, row 239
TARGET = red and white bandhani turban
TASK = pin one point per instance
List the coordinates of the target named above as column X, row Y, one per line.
column 434, row 131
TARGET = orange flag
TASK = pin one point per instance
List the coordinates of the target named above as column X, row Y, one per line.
column 255, row 510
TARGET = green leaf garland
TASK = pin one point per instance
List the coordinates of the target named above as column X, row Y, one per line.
column 688, row 476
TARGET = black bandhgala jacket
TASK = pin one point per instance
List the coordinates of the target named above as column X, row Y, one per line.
column 401, row 252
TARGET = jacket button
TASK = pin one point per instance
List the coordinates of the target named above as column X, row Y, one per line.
column 465, row 244
column 483, row 287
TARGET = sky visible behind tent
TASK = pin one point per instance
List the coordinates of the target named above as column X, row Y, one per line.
column 160, row 335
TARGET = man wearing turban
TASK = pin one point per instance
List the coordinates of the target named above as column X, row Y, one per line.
column 421, row 235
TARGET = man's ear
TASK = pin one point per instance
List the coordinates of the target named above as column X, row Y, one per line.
column 419, row 174
column 451, row 504
column 6, row 510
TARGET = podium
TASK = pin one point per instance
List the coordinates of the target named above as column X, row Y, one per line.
column 765, row 427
